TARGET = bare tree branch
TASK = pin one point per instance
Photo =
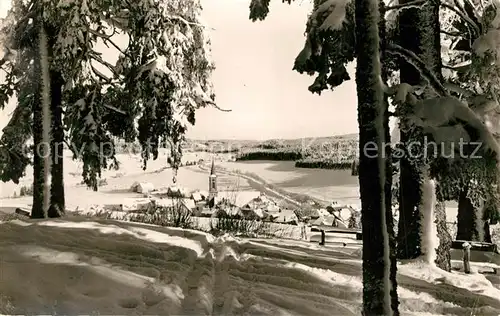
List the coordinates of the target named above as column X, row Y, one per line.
column 218, row 108
column 112, row 108
column 100, row 74
column 95, row 56
column 107, row 40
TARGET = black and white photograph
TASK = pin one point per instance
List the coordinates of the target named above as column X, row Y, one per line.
column 250, row 157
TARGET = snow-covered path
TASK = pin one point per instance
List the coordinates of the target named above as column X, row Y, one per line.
column 82, row 266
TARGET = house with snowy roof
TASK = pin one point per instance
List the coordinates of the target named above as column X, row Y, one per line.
column 285, row 216
column 179, row 204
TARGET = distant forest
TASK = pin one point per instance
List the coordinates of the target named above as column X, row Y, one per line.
column 336, row 152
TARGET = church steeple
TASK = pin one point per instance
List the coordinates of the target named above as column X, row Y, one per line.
column 212, row 170
column 212, row 184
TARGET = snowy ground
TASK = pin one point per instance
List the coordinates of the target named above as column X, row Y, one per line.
column 120, row 181
column 79, row 266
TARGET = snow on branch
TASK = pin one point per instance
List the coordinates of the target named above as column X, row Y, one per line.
column 259, row 9
column 329, row 15
column 489, row 41
column 435, row 113
column 409, row 5
column 463, row 16
column 414, row 60
column 107, row 38
column 181, row 19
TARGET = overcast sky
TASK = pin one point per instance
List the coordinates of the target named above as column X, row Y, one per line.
column 254, row 78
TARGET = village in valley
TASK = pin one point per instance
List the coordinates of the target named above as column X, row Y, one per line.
column 232, row 203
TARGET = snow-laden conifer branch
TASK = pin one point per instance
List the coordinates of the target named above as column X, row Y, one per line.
column 180, row 18
column 162, row 76
column 412, row 4
column 452, row 34
column 414, row 60
column 328, row 15
column 464, row 17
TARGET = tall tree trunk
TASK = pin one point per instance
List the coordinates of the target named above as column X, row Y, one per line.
column 466, row 218
column 430, row 40
column 408, row 238
column 377, row 287
column 420, row 33
column 388, row 163
column 443, row 260
column 53, row 83
column 470, row 223
column 46, row 120
column 57, row 200
column 41, row 130
column 38, row 151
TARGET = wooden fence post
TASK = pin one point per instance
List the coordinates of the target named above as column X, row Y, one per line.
column 466, row 248
column 322, row 242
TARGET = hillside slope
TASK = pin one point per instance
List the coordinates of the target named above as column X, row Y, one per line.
column 77, row 266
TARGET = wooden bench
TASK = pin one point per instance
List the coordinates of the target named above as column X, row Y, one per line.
column 23, row 211
column 338, row 230
column 481, row 252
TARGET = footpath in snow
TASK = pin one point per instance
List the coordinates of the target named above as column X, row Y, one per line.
column 81, row 266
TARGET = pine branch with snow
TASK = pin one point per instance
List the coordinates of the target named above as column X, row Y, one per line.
column 329, row 45
column 164, row 69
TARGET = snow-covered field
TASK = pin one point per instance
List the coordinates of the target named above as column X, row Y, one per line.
column 79, row 266
column 120, row 181
column 326, row 185
column 313, row 182
column 321, row 184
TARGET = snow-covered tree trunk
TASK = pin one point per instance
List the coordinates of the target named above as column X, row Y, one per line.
column 46, row 117
column 377, row 287
column 389, row 168
column 41, row 129
column 435, row 239
column 471, row 225
column 409, row 189
column 428, row 234
column 419, row 33
column 443, row 258
column 57, row 198
column 38, row 163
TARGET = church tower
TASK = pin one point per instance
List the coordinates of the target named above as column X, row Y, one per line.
column 212, row 183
